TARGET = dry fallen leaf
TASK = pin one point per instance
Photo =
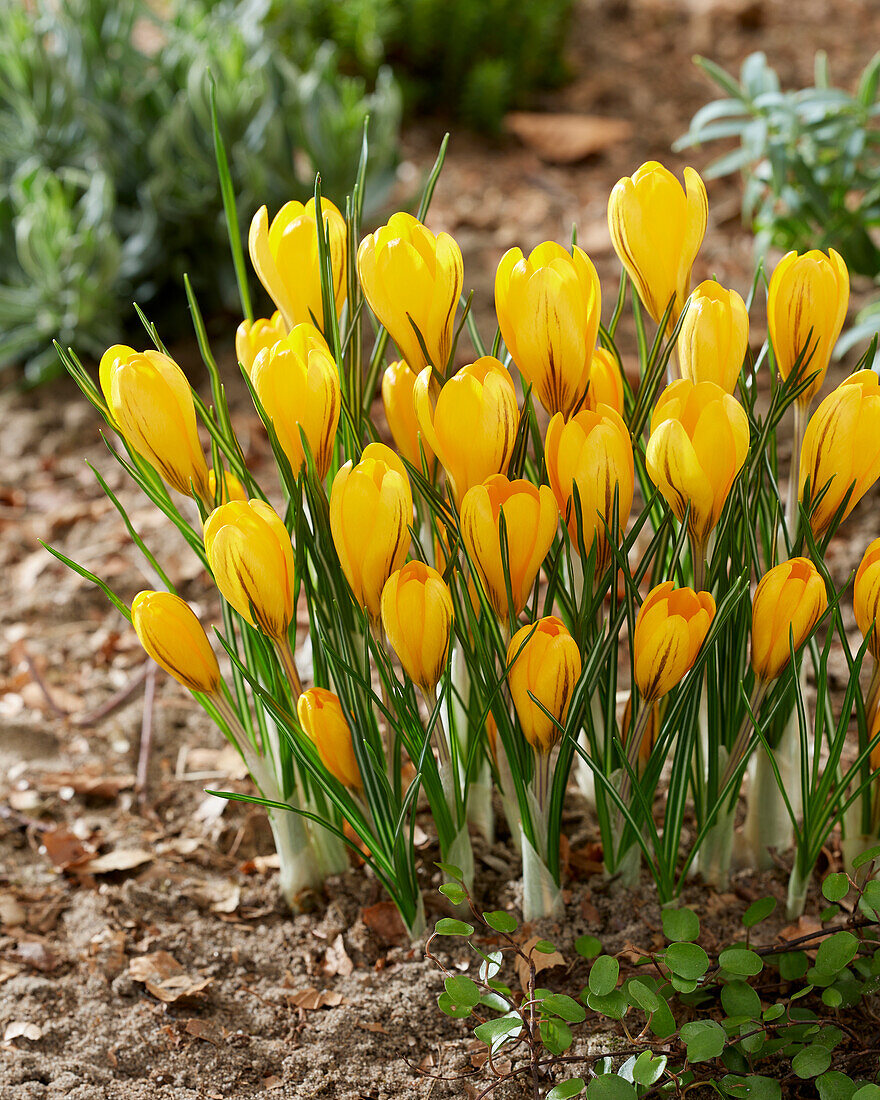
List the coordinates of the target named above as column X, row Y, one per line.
column 272, row 1082
column 310, row 999
column 89, row 784
column 21, row 1029
column 336, row 960
column 375, row 1028
column 120, row 859
column 805, row 926
column 384, row 920
column 65, row 849
column 165, row 978
column 567, row 138
column 220, row 897
column 540, row 960
column 205, row 1029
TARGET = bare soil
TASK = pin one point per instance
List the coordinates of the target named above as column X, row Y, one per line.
column 332, row 1003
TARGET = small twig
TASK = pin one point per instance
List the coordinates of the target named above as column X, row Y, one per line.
column 41, row 684
column 115, row 701
column 146, row 742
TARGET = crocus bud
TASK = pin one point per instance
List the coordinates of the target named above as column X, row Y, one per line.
column 252, row 337
column 714, row 336
column 841, row 448
column 285, row 258
column 806, row 308
column 297, row 383
column 698, row 444
column 649, row 737
column 370, row 512
column 543, row 659
column 606, row 382
column 789, row 600
column 151, row 403
column 548, row 310
column 657, row 227
column 471, row 423
column 320, row 715
column 671, row 626
column 172, row 635
column 592, row 451
column 410, row 277
column 251, row 558
column 397, row 397
column 231, row 487
column 866, row 597
column 417, row 617
column 530, row 516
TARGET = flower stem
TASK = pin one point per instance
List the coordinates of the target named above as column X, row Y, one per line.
column 801, row 410
column 742, row 739
column 289, row 664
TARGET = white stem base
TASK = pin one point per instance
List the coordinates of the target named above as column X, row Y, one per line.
column 461, row 855
column 713, row 858
column 542, row 896
column 767, row 822
column 479, row 807
column 299, row 869
column 798, row 885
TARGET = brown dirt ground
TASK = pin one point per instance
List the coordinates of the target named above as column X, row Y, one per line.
column 203, row 891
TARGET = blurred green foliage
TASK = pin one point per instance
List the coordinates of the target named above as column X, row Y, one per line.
column 108, row 184
column 810, row 164
column 809, row 159
column 474, row 60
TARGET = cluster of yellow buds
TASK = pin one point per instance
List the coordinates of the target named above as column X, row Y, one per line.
column 489, row 513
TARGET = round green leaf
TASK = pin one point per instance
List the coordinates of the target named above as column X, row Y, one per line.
column 454, row 891
column 811, row 1061
column 866, row 857
column 739, row 999
column 613, row 1004
column 762, row 1088
column 495, row 1032
column 867, row 1092
column 588, row 947
column 463, row 990
column 680, row 924
column 610, row 1087
column 642, row 997
column 835, row 1085
column 544, row 947
column 835, row 887
column 574, row 1086
column 741, row 961
column 759, row 910
column 566, row 1008
column 603, row 975
column 555, row 1035
column 837, row 952
column 793, row 965
column 832, row 997
column 449, row 927
column 500, row 921
column 451, row 870
column 687, row 960
column 647, row 1070
column 705, row 1039
column 490, row 966
column 451, row 1008
column 871, row 894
